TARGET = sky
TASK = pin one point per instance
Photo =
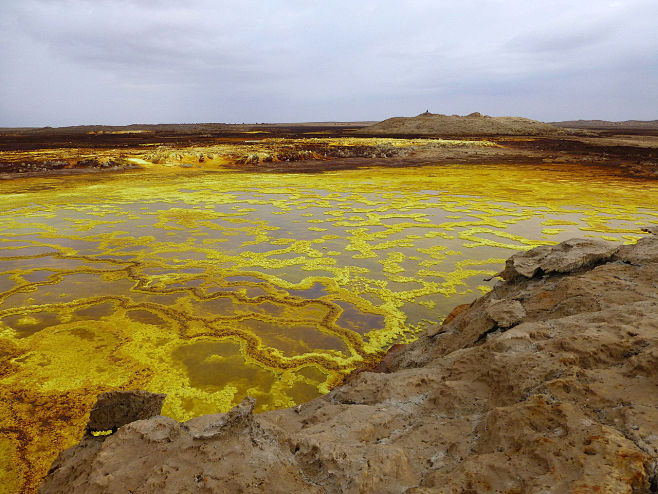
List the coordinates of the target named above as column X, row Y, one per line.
column 115, row 62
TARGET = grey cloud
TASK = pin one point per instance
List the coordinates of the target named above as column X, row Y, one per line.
column 551, row 42
column 118, row 61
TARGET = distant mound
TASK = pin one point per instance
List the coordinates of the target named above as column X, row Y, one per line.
column 474, row 124
column 605, row 124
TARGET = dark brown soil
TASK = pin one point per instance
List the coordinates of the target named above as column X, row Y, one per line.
column 632, row 126
column 177, row 135
column 634, row 151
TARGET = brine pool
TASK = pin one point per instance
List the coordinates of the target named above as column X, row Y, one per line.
column 210, row 286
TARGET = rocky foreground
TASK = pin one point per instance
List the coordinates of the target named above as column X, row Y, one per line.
column 547, row 384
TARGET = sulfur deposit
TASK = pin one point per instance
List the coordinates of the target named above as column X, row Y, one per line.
column 549, row 383
column 209, row 287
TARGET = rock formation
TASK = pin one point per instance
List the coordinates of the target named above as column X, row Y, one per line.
column 116, row 408
column 547, row 384
column 475, row 124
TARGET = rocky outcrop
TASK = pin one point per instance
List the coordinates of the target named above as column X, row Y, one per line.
column 548, row 384
column 475, row 124
column 116, row 408
column 567, row 257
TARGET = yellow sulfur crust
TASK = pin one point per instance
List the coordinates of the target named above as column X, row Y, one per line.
column 210, row 286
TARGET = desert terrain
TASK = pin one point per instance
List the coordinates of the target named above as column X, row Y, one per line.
column 355, row 252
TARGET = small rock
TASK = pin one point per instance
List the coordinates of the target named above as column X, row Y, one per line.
column 55, row 165
column 116, row 408
column 506, row 313
column 88, row 163
column 644, row 251
column 236, row 419
column 156, row 430
column 565, row 257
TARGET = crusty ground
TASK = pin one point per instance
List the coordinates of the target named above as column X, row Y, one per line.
column 25, row 152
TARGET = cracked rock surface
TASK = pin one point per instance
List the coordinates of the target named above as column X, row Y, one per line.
column 547, row 384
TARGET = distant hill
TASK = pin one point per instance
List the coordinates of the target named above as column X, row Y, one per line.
column 474, row 124
column 184, row 128
column 604, row 124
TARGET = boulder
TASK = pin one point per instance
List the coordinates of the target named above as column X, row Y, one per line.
column 568, row 256
column 117, row 408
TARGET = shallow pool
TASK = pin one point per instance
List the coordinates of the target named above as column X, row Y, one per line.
column 210, row 286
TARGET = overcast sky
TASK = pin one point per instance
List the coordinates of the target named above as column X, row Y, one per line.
column 69, row 62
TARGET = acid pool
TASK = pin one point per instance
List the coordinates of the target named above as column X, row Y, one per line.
column 210, row 286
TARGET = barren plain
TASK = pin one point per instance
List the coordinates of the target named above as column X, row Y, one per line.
column 313, row 147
